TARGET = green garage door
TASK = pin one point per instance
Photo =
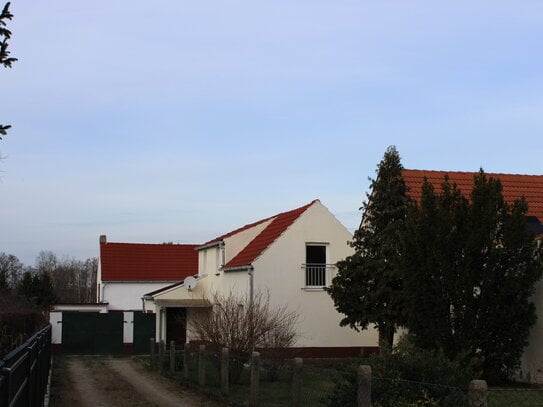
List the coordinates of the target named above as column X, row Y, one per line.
column 144, row 328
column 92, row 333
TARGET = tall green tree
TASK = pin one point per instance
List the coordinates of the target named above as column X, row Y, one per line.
column 37, row 289
column 469, row 269
column 368, row 286
column 5, row 59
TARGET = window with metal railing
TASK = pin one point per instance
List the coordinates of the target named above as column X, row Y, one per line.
column 315, row 267
column 315, row 275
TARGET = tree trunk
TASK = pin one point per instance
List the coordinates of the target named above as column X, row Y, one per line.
column 386, row 337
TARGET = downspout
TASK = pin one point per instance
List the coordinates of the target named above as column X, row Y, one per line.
column 159, row 324
column 251, row 301
column 251, row 286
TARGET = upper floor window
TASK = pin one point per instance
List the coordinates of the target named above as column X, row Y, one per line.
column 315, row 265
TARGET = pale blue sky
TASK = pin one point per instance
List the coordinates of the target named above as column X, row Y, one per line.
column 181, row 120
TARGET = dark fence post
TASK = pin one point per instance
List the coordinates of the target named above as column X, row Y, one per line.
column 297, row 382
column 186, row 356
column 161, row 355
column 202, row 366
column 255, row 379
column 364, row 386
column 172, row 357
column 152, row 350
column 225, row 358
column 478, row 393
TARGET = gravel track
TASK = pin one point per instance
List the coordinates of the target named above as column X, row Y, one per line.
column 102, row 381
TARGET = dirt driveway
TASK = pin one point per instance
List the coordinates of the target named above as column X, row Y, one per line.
column 101, row 381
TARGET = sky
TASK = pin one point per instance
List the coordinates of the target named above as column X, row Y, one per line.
column 182, row 120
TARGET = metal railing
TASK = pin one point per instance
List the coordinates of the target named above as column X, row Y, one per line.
column 24, row 372
column 317, row 275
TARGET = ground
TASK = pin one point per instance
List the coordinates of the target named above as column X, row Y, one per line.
column 102, row 381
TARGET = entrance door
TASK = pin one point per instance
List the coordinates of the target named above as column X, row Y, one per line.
column 176, row 325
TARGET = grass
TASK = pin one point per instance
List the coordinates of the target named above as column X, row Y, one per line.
column 318, row 383
column 517, row 397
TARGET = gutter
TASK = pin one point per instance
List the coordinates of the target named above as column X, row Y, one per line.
column 247, row 267
column 212, row 244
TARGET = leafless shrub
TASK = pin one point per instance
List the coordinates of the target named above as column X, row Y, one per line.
column 242, row 326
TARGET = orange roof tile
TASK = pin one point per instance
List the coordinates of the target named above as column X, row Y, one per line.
column 147, row 262
column 515, row 186
column 241, row 229
column 264, row 239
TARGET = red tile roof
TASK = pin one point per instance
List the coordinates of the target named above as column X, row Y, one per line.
column 515, row 186
column 264, row 239
column 147, row 262
column 241, row 229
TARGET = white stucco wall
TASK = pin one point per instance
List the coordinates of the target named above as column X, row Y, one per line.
column 127, row 296
column 128, row 327
column 235, row 243
column 279, row 270
column 209, row 260
column 532, row 360
column 55, row 318
column 98, row 280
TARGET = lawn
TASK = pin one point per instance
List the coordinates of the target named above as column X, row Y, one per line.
column 318, row 383
column 517, row 397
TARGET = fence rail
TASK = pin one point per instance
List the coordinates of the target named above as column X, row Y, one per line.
column 24, row 372
column 248, row 380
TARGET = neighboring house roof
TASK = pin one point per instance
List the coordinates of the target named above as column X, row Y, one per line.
column 515, row 186
column 278, row 225
column 147, row 262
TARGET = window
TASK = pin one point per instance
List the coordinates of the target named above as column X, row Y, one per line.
column 315, row 266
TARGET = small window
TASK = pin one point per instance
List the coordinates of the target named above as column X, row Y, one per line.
column 315, row 266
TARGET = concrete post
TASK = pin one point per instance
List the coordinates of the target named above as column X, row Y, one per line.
column 255, row 379
column 186, row 357
column 478, row 393
column 364, row 386
column 202, row 366
column 152, row 349
column 172, row 357
column 297, row 382
column 225, row 358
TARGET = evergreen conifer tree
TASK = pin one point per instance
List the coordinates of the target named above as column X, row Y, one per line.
column 469, row 270
column 368, row 286
column 5, row 59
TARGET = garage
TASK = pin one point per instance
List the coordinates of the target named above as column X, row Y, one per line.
column 92, row 333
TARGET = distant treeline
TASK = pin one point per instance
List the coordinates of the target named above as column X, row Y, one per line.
column 50, row 279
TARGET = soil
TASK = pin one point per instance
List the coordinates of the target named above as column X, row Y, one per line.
column 102, row 381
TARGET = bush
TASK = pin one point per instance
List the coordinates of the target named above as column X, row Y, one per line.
column 18, row 321
column 242, row 325
column 407, row 377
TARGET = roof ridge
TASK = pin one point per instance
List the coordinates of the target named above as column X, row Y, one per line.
column 514, row 186
column 472, row 172
column 151, row 244
column 267, row 237
column 253, row 224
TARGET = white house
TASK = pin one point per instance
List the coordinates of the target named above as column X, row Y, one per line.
column 126, row 271
column 292, row 256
